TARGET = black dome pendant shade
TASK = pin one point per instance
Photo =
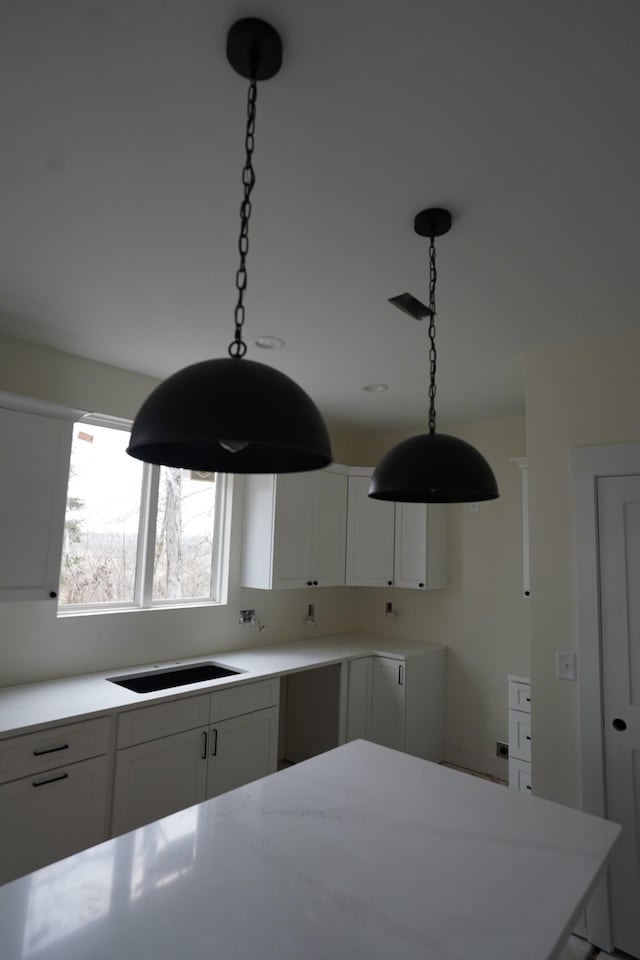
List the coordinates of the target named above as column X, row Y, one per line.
column 433, row 467
column 233, row 415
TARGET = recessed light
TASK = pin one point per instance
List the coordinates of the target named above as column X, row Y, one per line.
column 269, row 343
column 375, row 387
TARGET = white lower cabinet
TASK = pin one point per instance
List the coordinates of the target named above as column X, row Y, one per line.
column 519, row 690
column 158, row 778
column 242, row 749
column 399, row 702
column 175, row 770
column 52, row 809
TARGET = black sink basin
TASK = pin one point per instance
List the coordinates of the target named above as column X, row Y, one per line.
column 178, row 677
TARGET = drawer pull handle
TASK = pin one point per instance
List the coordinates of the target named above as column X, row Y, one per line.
column 203, row 755
column 400, row 674
column 527, row 737
column 41, row 783
column 528, row 699
column 214, row 752
column 41, row 753
column 528, row 787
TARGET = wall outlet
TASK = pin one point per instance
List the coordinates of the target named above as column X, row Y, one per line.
column 502, row 749
column 247, row 618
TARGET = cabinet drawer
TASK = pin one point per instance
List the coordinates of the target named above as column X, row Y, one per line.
column 54, row 747
column 246, row 698
column 49, row 816
column 162, row 720
column 519, row 696
column 519, row 735
column 519, row 775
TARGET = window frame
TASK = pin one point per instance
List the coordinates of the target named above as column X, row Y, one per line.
column 146, row 541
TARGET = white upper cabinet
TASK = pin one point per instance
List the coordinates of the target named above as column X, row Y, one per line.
column 370, row 537
column 399, row 545
column 294, row 530
column 33, row 492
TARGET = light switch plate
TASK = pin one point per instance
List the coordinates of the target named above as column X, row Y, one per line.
column 565, row 666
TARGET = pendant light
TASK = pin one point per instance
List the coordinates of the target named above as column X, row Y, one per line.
column 433, row 467
column 233, row 415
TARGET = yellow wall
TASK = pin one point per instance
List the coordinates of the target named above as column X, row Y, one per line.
column 579, row 394
column 481, row 616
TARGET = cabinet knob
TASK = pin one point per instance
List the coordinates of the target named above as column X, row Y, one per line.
column 421, row 585
column 53, row 594
column 309, row 583
column 389, row 583
column 528, row 787
column 527, row 593
column 315, row 583
column 618, row 724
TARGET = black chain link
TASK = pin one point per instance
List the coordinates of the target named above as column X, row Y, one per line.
column 432, row 335
column 237, row 347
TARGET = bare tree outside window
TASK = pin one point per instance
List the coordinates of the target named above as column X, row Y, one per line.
column 100, row 561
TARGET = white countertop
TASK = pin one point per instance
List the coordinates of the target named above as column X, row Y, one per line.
column 34, row 705
column 361, row 853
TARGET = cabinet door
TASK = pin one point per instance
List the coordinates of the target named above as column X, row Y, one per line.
column 51, row 815
column 242, row 749
column 370, row 526
column 290, row 535
column 420, row 545
column 328, row 537
column 155, row 779
column 33, row 492
column 359, row 699
column 388, row 702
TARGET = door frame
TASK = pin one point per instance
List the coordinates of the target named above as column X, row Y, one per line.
column 588, row 464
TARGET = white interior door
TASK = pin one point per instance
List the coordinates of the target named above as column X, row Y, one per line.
column 619, row 556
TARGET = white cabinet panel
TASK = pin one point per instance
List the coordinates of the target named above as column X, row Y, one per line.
column 51, row 815
column 162, row 719
column 519, row 733
column 370, row 537
column 359, row 699
column 519, row 775
column 32, row 753
column 294, row 530
column 400, row 545
column 387, row 710
column 290, row 530
column 155, row 779
column 399, row 703
column 420, row 545
column 328, row 531
column 245, row 698
column 242, row 749
column 33, row 490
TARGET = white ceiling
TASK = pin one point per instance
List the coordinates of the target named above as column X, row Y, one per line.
column 121, row 147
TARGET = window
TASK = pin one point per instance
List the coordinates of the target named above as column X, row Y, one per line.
column 137, row 535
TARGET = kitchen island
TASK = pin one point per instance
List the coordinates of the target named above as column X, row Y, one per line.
column 361, row 853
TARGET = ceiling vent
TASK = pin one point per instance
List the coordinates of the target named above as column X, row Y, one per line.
column 408, row 304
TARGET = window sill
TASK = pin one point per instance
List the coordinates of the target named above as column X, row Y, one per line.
column 133, row 608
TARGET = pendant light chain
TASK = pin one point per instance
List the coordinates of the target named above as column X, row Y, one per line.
column 237, row 347
column 432, row 335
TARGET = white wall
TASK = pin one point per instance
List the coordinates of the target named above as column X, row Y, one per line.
column 579, row 394
column 481, row 616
